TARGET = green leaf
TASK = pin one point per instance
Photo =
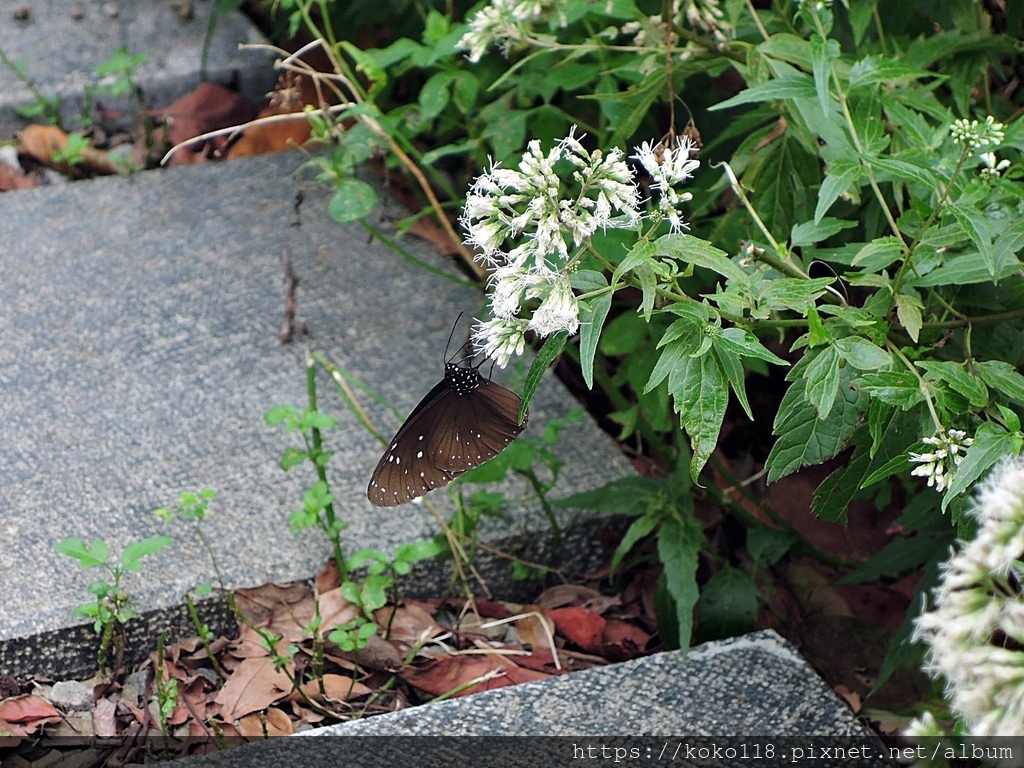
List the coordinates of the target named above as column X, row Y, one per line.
column 138, row 549
column 767, row 545
column 780, row 89
column 862, row 354
column 693, row 250
column 87, row 556
column 957, row 377
column 351, row 201
column 744, row 343
column 823, row 53
column 813, row 232
column 804, row 438
column 700, row 393
column 591, row 322
column 623, row 335
column 793, row 292
column 991, row 443
column 977, row 229
column 1003, row 378
column 679, row 552
column 901, row 172
column 823, row 380
column 733, row 368
column 879, row 254
column 552, row 348
column 908, row 312
column 641, row 260
column 841, row 174
column 899, row 388
column 434, row 94
column 897, row 557
column 727, row 606
column 628, row 495
column 638, row 530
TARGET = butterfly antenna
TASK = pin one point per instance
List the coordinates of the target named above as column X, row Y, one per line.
column 451, row 336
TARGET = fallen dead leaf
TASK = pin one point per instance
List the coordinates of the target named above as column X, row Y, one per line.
column 409, row 623
column 104, row 723
column 335, row 688
column 478, row 672
column 254, row 686
column 209, row 107
column 581, row 626
column 41, row 142
column 260, row 725
column 12, row 179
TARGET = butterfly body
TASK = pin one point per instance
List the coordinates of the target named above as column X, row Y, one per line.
column 462, row 422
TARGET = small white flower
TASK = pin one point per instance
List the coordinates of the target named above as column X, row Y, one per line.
column 940, row 465
column 669, row 168
column 993, row 169
column 559, row 310
column 499, row 339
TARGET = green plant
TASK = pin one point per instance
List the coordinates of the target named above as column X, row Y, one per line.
column 45, row 108
column 165, row 691
column 112, row 606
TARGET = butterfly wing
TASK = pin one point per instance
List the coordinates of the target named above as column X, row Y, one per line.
column 481, row 425
column 400, row 475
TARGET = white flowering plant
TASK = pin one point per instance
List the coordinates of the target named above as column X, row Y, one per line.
column 840, row 218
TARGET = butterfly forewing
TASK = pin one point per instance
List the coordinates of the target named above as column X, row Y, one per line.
column 463, row 421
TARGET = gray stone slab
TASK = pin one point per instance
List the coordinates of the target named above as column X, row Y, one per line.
column 729, row 691
column 139, row 320
column 59, row 52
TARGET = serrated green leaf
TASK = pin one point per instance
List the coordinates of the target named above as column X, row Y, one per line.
column 693, row 250
column 908, row 312
column 679, row 552
column 727, row 606
column 862, row 354
column 591, row 322
column 879, row 254
column 813, row 232
column 823, row 380
column 746, row 344
column 977, row 228
column 804, row 439
column 628, row 495
column 823, row 53
column 135, row 551
column 767, row 545
column 991, row 443
column 892, row 387
column 733, row 368
column 434, row 94
column 552, row 348
column 901, row 171
column 897, row 557
column 87, row 556
column 700, row 394
column 841, row 174
column 793, row 293
column 639, row 529
column 780, row 89
column 1003, row 378
column 957, row 377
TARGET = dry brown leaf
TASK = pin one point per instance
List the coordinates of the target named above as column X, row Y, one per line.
column 12, row 179
column 535, row 629
column 621, row 640
column 335, row 610
column 41, row 142
column 379, row 655
column 291, row 95
column 28, row 710
column 209, row 107
column 335, row 688
column 450, row 673
column 566, row 594
column 103, row 718
column 273, row 722
column 409, row 623
column 252, row 687
column 814, row 593
column 283, row 609
column 581, row 626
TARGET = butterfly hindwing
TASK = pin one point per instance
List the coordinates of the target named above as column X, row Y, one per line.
column 462, row 422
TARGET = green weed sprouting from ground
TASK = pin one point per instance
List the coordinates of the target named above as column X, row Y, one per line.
column 860, row 241
column 113, row 606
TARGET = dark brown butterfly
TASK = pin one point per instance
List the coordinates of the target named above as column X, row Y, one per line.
column 461, row 423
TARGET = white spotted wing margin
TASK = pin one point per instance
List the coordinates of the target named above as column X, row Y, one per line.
column 462, row 422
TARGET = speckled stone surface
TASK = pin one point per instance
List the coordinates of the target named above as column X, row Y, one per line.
column 59, row 51
column 732, row 690
column 140, row 320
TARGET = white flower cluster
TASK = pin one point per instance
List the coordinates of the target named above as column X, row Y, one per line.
column 704, row 15
column 668, row 168
column 537, row 210
column 977, row 135
column 502, row 23
column 940, row 465
column 975, row 632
